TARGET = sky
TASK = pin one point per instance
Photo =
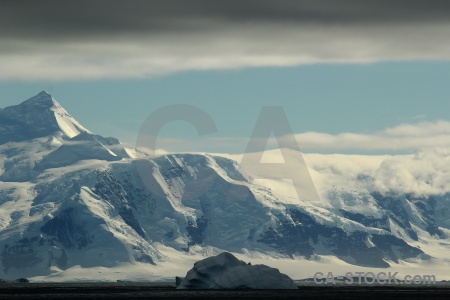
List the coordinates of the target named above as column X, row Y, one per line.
column 352, row 76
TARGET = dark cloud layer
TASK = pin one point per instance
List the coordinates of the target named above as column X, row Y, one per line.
column 71, row 19
column 82, row 39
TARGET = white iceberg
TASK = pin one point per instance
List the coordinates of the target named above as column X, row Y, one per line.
column 225, row 271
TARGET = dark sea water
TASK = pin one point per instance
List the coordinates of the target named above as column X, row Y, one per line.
column 129, row 290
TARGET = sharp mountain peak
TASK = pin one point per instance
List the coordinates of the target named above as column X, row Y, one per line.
column 39, row 116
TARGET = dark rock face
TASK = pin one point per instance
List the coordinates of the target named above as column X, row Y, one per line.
column 21, row 255
column 396, row 208
column 31, row 119
column 111, row 190
column 66, row 230
column 303, row 235
column 225, row 271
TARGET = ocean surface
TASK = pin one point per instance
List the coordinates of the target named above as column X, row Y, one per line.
column 131, row 290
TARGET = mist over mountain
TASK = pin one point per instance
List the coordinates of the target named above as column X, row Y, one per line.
column 73, row 200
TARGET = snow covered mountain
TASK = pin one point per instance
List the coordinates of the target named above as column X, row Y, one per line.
column 39, row 116
column 71, row 199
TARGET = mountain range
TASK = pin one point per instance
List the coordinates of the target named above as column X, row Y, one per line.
column 73, row 200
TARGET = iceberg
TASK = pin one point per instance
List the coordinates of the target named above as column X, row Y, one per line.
column 225, row 271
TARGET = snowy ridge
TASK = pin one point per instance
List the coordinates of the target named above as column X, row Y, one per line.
column 67, row 124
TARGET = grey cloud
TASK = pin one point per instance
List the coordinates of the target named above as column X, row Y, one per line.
column 74, row 19
column 60, row 40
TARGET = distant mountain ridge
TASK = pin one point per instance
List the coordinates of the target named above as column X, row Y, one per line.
column 71, row 198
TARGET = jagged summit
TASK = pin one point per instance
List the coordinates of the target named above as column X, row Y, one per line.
column 55, row 137
column 42, row 100
column 39, row 116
